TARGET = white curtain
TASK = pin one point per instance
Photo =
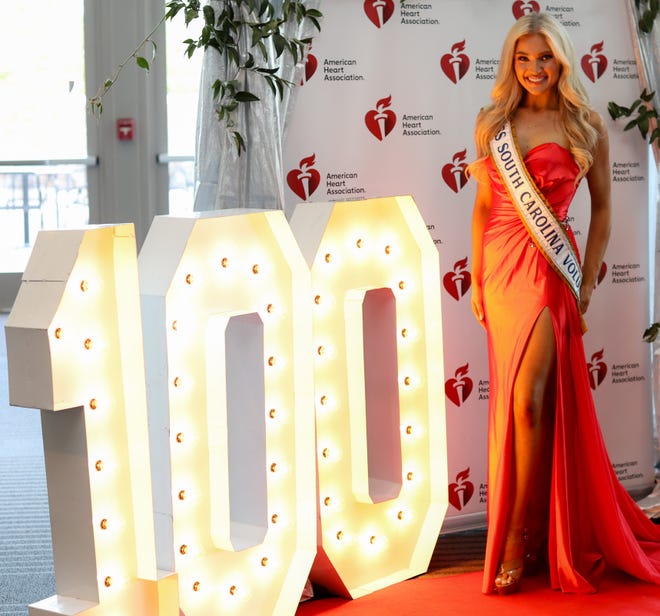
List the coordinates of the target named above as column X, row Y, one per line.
column 255, row 179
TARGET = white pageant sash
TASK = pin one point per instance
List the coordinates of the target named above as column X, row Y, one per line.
column 539, row 219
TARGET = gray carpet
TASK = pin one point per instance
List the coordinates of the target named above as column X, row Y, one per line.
column 26, row 558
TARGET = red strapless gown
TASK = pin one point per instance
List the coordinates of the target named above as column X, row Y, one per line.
column 594, row 523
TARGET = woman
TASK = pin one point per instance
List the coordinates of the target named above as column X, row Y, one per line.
column 553, row 494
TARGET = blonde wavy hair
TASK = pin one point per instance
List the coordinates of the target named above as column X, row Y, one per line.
column 507, row 93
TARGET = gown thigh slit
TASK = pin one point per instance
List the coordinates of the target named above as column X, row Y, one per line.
column 532, row 401
column 593, row 524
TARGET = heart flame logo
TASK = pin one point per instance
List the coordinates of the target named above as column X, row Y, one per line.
column 453, row 173
column 520, row 8
column 594, row 63
column 379, row 11
column 381, row 120
column 602, row 273
column 459, row 388
column 455, row 63
column 311, row 64
column 461, row 490
column 457, row 282
column 305, row 180
column 597, row 369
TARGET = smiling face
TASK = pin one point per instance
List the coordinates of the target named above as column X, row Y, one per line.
column 535, row 65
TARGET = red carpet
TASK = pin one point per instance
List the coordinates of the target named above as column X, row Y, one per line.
column 619, row 595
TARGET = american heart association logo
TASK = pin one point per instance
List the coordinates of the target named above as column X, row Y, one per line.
column 381, row 120
column 597, row 369
column 453, row 173
column 459, row 388
column 594, row 63
column 458, row 281
column 602, row 273
column 379, row 11
column 305, row 180
column 461, row 490
column 520, row 8
column 311, row 64
column 455, row 63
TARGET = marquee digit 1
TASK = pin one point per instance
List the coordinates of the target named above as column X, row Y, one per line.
column 378, row 372
column 227, row 341
column 74, row 350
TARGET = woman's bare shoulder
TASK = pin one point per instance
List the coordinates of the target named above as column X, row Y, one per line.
column 596, row 120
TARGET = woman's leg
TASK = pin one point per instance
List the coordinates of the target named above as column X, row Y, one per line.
column 537, row 516
column 533, row 402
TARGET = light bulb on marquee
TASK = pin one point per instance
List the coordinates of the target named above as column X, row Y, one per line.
column 382, row 238
column 202, row 299
column 259, row 328
column 86, row 284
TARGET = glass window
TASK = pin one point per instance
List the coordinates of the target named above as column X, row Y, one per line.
column 183, row 75
column 43, row 119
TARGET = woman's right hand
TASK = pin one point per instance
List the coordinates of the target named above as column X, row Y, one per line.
column 478, row 304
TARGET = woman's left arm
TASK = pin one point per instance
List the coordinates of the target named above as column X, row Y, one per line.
column 598, row 180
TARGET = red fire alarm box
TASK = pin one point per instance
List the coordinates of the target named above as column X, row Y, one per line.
column 125, row 129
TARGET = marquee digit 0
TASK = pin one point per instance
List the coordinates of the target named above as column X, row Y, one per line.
column 378, row 372
column 227, row 339
column 74, row 347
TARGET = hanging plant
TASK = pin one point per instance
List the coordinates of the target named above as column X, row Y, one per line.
column 646, row 118
column 241, row 31
column 648, row 11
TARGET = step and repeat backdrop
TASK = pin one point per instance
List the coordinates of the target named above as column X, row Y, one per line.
column 387, row 107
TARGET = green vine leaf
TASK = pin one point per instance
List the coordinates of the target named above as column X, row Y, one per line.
column 648, row 12
column 238, row 141
column 226, row 27
column 646, row 115
column 142, row 63
column 651, row 332
column 246, row 97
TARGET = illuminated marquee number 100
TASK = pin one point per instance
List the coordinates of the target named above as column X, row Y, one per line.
column 245, row 351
